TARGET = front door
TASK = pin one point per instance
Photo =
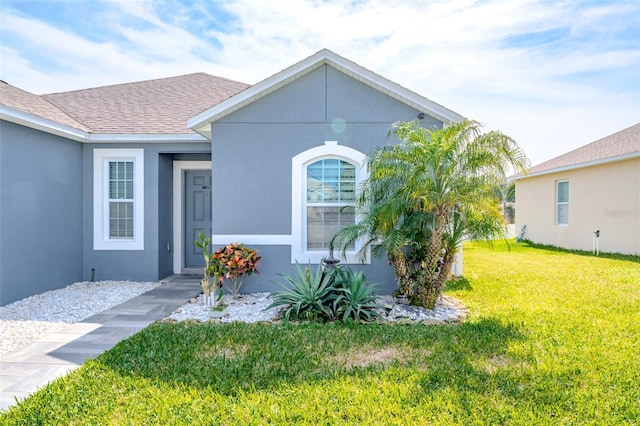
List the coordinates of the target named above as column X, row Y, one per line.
column 197, row 213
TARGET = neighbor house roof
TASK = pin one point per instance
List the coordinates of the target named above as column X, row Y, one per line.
column 202, row 121
column 619, row 146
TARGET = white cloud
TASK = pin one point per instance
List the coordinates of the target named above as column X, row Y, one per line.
column 463, row 54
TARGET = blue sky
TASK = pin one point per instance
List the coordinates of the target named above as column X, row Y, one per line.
column 554, row 75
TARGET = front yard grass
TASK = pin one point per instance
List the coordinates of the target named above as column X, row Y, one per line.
column 553, row 338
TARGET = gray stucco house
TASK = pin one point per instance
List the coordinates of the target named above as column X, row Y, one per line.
column 115, row 182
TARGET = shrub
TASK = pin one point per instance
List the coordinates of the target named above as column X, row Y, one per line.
column 237, row 261
column 308, row 295
column 355, row 299
column 336, row 294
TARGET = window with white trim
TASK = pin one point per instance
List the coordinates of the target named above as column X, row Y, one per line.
column 118, row 182
column 120, row 199
column 330, row 201
column 324, row 182
column 562, row 202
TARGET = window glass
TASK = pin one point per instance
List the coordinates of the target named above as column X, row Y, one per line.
column 563, row 214
column 331, row 185
column 563, row 192
column 562, row 203
column 324, row 222
column 121, row 199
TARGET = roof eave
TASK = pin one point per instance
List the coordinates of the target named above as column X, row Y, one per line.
column 38, row 123
column 52, row 127
column 145, row 137
column 201, row 122
column 599, row 162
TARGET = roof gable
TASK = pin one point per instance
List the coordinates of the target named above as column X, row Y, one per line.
column 201, row 122
column 618, row 146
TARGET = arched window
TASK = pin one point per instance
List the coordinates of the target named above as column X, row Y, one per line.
column 324, row 182
column 330, row 201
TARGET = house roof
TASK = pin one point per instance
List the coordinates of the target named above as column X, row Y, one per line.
column 160, row 106
column 20, row 103
column 175, row 108
column 619, row 146
column 201, row 122
column 145, row 110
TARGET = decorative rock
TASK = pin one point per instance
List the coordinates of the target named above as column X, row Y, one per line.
column 252, row 308
column 33, row 318
column 248, row 308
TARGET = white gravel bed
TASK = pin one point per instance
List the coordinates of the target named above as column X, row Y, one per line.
column 253, row 308
column 32, row 318
column 248, row 308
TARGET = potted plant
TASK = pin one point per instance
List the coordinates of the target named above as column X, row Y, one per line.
column 237, row 262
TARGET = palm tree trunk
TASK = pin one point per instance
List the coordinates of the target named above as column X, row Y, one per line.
column 445, row 271
column 401, row 272
column 428, row 290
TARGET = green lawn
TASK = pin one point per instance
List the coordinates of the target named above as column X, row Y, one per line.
column 553, row 338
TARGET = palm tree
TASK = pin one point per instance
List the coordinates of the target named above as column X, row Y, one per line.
column 427, row 193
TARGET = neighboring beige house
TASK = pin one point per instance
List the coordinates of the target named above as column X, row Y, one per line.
column 565, row 200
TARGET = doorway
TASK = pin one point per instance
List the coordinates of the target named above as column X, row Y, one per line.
column 197, row 214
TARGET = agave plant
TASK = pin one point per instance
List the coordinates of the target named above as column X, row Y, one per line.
column 308, row 294
column 355, row 299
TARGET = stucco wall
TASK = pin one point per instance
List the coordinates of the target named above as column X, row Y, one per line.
column 276, row 259
column 604, row 197
column 252, row 151
column 155, row 261
column 40, row 212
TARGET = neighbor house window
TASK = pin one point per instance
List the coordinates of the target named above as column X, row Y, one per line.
column 324, row 182
column 562, row 208
column 118, row 199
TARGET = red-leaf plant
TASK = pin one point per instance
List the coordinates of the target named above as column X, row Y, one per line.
column 237, row 262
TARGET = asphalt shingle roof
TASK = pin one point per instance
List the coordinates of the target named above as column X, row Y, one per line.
column 625, row 141
column 29, row 103
column 160, row 106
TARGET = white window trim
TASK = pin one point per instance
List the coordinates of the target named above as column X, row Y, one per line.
column 558, row 203
column 101, row 240
column 179, row 169
column 330, row 149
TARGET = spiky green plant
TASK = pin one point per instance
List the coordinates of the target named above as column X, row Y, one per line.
column 307, row 295
column 355, row 299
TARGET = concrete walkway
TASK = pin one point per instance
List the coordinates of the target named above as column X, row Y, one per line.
column 27, row 369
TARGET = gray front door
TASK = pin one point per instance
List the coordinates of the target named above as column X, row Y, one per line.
column 197, row 213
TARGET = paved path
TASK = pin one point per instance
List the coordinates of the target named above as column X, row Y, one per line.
column 27, row 369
